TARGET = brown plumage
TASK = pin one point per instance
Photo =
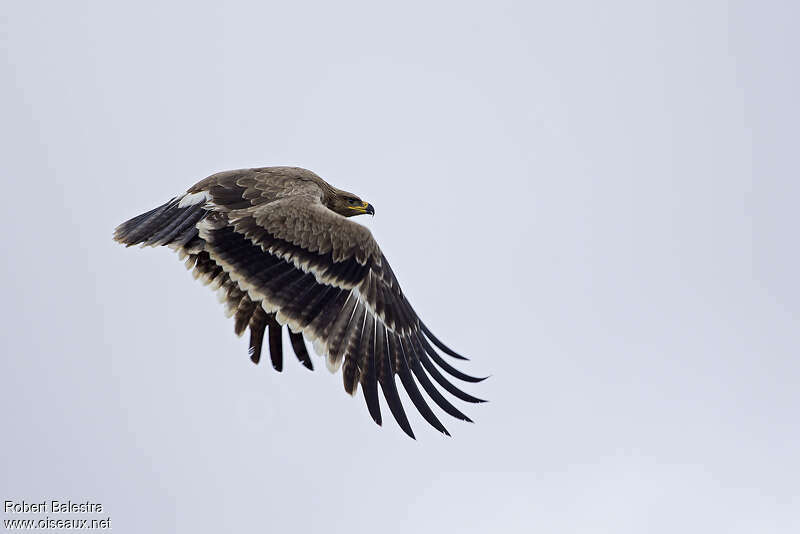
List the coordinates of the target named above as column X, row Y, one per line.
column 278, row 245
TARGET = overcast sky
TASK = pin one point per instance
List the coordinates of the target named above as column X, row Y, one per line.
column 595, row 201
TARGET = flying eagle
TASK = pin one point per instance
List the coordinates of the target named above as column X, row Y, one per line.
column 278, row 245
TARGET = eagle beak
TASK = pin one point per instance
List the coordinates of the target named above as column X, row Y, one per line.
column 361, row 209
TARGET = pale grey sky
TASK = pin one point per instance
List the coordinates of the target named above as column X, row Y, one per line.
column 597, row 202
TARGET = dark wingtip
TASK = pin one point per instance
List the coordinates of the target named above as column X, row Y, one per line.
column 436, row 341
column 275, row 345
column 370, row 393
column 448, row 386
column 481, row 378
column 299, row 346
column 257, row 327
column 446, row 367
column 435, row 394
column 452, row 371
column 378, row 420
column 395, row 406
column 419, row 402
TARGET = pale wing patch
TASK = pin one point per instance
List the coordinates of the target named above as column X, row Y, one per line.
column 192, row 199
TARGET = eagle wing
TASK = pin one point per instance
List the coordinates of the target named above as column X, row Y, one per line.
column 280, row 257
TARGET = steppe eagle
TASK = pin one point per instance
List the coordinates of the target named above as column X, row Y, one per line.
column 278, row 245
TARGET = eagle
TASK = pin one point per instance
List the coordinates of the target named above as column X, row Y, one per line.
column 278, row 245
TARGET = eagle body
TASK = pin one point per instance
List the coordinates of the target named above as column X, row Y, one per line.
column 279, row 246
